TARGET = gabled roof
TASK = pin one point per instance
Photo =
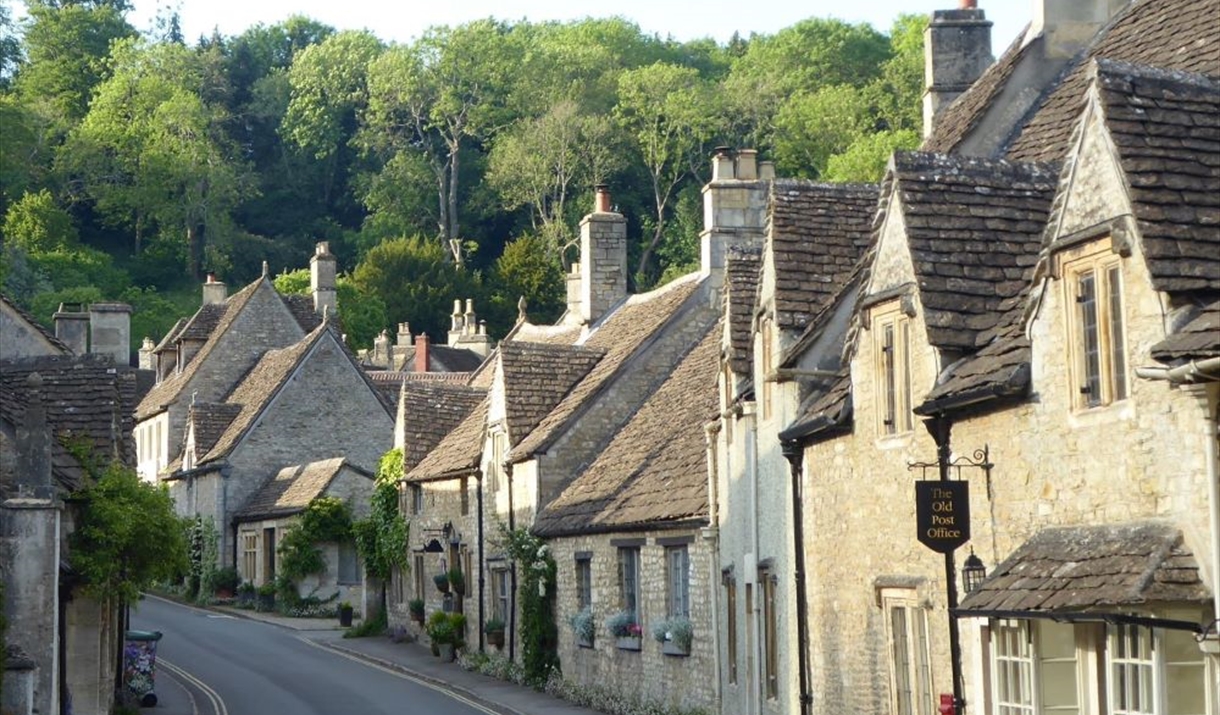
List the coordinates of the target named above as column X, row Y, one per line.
column 442, row 358
column 1166, row 129
column 741, row 269
column 817, row 233
column 1170, row 34
column 210, row 421
column 974, row 230
column 86, row 397
column 171, row 337
column 1066, row 569
column 653, row 472
column 824, row 412
column 302, row 309
column 431, row 410
column 458, row 453
column 620, row 335
column 203, row 322
column 25, row 317
column 293, row 488
column 536, row 377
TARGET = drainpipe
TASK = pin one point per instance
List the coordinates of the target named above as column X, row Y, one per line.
column 478, row 476
column 512, row 569
column 940, row 427
column 1212, row 435
column 711, row 432
column 748, row 415
column 794, row 454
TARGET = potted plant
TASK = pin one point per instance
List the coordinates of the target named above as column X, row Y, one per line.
column 446, row 631
column 457, row 580
column 266, row 597
column 625, row 629
column 442, row 582
column 581, row 624
column 416, row 607
column 345, row 614
column 225, row 582
column 494, row 628
column 674, row 635
column 245, row 595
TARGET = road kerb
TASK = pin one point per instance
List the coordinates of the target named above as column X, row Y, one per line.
column 438, row 682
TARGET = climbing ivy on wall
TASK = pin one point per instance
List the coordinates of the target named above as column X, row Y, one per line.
column 204, row 540
column 382, row 537
column 536, row 591
column 326, row 519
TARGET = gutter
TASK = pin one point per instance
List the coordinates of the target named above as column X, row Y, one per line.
column 1015, row 386
column 1207, row 370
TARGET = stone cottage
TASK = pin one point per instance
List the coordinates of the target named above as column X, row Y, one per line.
column 630, row 538
column 276, row 507
column 61, row 645
column 1034, row 322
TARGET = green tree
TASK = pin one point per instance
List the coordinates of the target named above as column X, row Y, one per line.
column 37, row 224
column 529, row 268
column 867, row 157
column 416, row 281
column 127, row 536
column 812, row 127
column 670, row 114
column 361, row 313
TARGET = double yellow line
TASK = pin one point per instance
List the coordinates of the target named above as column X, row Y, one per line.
column 217, row 702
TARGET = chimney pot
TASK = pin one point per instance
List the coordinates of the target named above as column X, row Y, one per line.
column 601, row 202
column 423, row 360
column 747, row 164
column 766, row 170
column 722, row 164
column 322, row 279
column 968, row 4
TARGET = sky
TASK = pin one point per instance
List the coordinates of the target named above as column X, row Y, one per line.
column 404, row 20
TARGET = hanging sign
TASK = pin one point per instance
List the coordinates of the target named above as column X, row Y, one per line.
column 942, row 514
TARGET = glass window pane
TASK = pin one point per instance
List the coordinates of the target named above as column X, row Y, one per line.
column 1118, row 346
column 1090, row 340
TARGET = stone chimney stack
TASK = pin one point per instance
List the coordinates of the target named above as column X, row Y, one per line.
column 574, row 290
column 214, row 291
column 322, row 279
column 110, row 331
column 403, row 339
column 603, row 258
column 72, row 327
column 423, row 357
column 957, row 50
column 1068, row 25
column 457, row 323
column 381, row 350
column 148, row 361
column 734, row 207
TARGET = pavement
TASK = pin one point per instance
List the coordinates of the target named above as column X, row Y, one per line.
column 411, row 659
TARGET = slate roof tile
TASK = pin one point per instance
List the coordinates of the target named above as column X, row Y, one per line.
column 653, row 472
column 1084, row 568
column 619, row 335
column 85, row 397
column 741, row 270
column 292, row 489
column 1170, row 34
column 458, row 452
column 536, row 377
column 1198, row 338
column 983, row 217
column 1165, row 128
column 817, row 233
column 430, row 411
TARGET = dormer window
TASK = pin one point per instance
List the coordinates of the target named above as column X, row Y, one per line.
column 1094, row 299
column 892, row 345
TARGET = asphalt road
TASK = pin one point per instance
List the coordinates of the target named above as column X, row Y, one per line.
column 214, row 664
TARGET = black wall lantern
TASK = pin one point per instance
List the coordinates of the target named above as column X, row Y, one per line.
column 973, row 572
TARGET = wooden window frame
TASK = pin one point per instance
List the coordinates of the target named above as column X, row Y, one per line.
column 629, row 580
column 249, row 556
column 730, row 601
column 583, row 566
column 1093, row 295
column 891, row 330
column 677, row 579
column 912, row 647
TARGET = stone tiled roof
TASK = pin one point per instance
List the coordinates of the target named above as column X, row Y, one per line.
column 50, row 337
column 293, row 488
column 1170, row 34
column 301, row 307
column 86, row 397
column 528, row 332
column 431, row 410
column 169, row 389
column 211, row 420
column 1198, row 338
column 653, row 473
column 817, row 233
column 974, row 228
column 620, row 335
column 956, row 121
column 442, row 358
column 1092, row 567
column 741, row 285
column 536, row 377
column 458, row 452
column 1166, row 128
column 824, row 412
column 171, row 337
column 203, row 322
